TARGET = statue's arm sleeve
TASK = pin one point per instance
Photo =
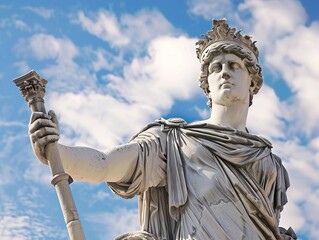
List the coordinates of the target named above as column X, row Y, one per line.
column 150, row 169
column 280, row 198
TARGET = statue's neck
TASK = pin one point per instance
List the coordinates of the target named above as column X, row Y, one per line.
column 233, row 116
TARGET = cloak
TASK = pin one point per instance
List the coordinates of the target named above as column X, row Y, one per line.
column 202, row 181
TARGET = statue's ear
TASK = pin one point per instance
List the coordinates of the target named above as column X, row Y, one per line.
column 252, row 86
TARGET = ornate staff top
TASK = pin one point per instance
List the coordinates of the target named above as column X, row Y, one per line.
column 31, row 86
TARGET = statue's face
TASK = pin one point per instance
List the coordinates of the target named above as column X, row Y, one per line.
column 229, row 80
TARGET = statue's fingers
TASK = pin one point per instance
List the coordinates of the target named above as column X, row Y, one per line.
column 33, row 138
column 46, row 140
column 39, row 150
column 42, row 132
column 40, row 123
column 37, row 115
column 54, row 118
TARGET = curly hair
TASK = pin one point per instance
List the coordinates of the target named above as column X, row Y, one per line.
column 250, row 62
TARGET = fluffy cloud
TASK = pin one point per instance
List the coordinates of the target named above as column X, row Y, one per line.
column 130, row 30
column 7, row 142
column 17, row 224
column 98, row 120
column 168, row 72
column 303, row 167
column 148, row 88
column 295, row 57
column 203, row 113
column 265, row 116
column 103, row 60
column 45, row 46
column 105, row 26
column 210, row 8
column 273, row 18
column 65, row 73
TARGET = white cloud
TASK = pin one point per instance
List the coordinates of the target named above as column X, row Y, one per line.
column 14, row 227
column 19, row 224
column 98, row 120
column 266, row 115
column 112, row 224
column 132, row 31
column 16, row 23
column 145, row 25
column 99, row 196
column 148, row 88
column 203, row 113
column 22, row 66
column 19, row 24
column 303, row 167
column 103, row 60
column 169, row 72
column 104, row 26
column 295, row 58
column 210, row 8
column 7, row 142
column 272, row 19
column 45, row 46
column 37, row 172
column 65, row 74
column 41, row 11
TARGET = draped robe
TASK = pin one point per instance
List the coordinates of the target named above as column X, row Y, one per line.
column 202, row 181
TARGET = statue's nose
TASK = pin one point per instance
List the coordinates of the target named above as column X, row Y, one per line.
column 225, row 75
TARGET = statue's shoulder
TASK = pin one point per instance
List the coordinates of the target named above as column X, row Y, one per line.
column 161, row 126
column 277, row 159
column 167, row 124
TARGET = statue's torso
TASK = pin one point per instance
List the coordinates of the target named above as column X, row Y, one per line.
column 211, row 184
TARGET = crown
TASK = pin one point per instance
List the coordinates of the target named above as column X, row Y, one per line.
column 222, row 33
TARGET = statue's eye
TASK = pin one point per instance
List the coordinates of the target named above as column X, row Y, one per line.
column 234, row 65
column 215, row 67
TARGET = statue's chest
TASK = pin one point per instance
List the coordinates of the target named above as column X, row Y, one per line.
column 207, row 179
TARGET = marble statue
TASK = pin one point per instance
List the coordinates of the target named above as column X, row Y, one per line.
column 205, row 180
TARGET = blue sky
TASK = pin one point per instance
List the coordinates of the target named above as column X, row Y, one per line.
column 114, row 66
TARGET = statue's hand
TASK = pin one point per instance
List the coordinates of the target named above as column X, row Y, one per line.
column 43, row 129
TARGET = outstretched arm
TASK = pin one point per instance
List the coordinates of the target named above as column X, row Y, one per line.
column 82, row 163
column 90, row 165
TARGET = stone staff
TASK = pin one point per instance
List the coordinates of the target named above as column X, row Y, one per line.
column 32, row 88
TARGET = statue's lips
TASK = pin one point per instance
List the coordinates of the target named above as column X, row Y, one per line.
column 226, row 85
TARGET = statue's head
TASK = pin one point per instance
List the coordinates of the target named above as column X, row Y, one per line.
column 224, row 40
